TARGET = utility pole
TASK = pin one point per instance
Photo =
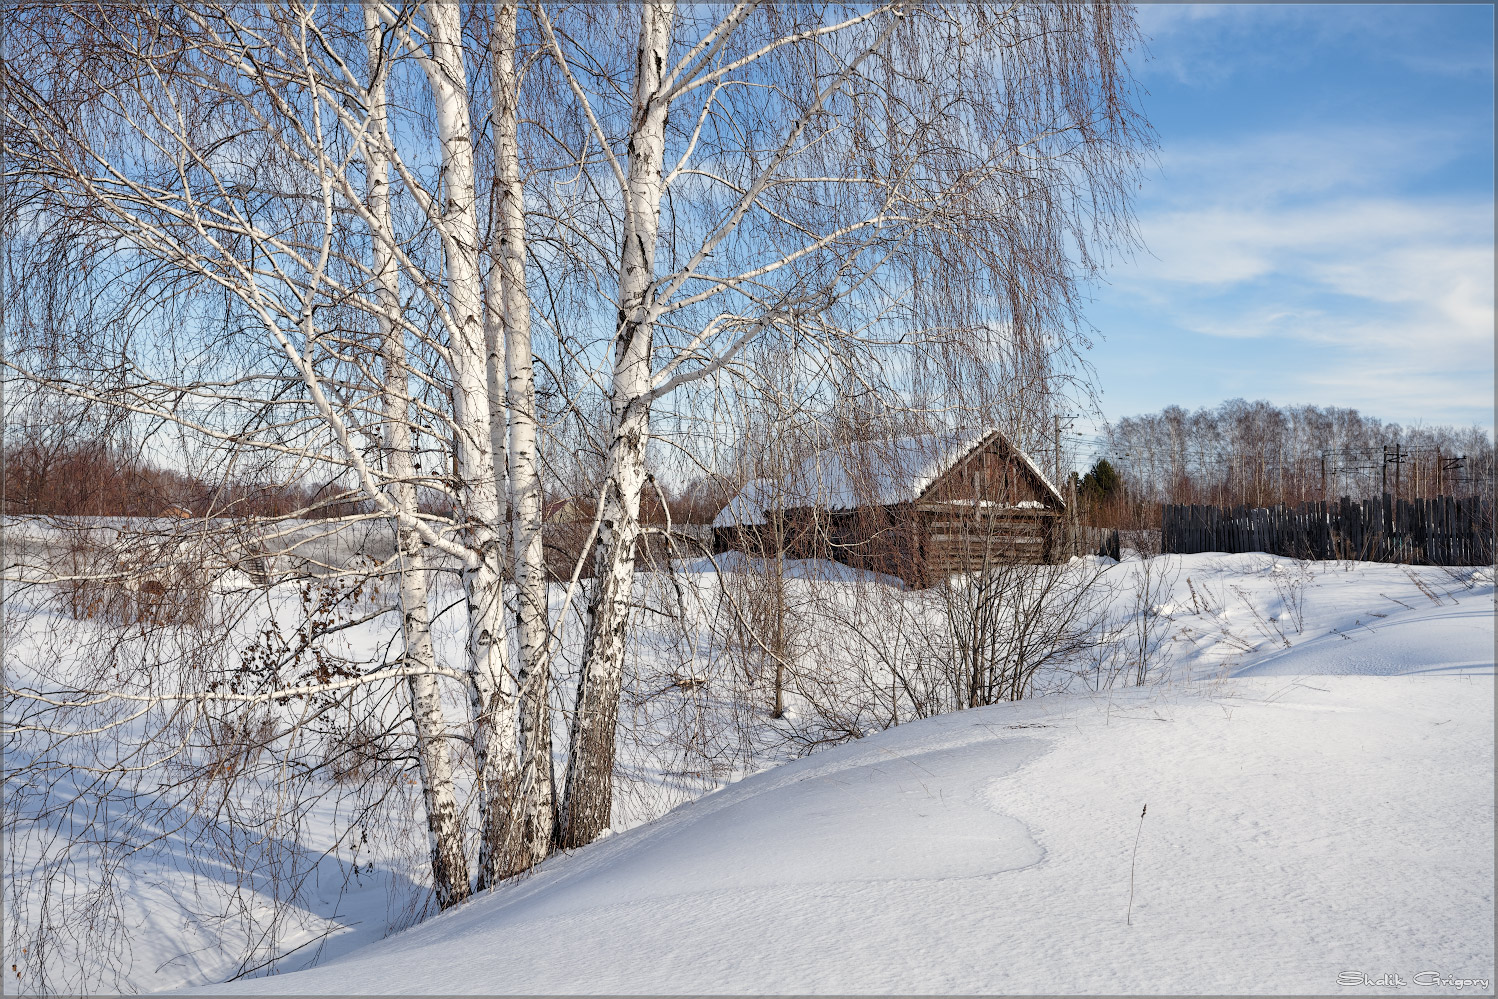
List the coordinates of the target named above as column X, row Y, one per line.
column 1395, row 455
column 1057, row 422
column 1280, row 472
column 1069, row 543
column 1454, row 465
column 1070, row 527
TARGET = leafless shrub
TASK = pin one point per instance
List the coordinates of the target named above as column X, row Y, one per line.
column 234, row 744
column 352, row 756
column 1213, row 608
column 200, row 762
column 131, row 578
column 1011, row 622
column 759, row 621
column 1148, row 646
column 880, row 654
column 689, row 711
column 893, row 639
column 1290, row 587
column 1144, row 541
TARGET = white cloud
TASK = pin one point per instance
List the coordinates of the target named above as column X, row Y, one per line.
column 1207, row 44
column 1319, row 223
column 1389, row 390
column 1382, row 249
column 1322, row 210
column 1335, row 159
column 1325, row 246
column 1202, row 44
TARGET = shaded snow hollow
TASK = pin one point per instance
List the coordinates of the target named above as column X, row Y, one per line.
column 1300, row 827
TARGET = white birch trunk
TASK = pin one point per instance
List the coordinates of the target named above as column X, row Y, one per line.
column 535, row 823
column 444, row 819
column 588, row 801
column 493, row 689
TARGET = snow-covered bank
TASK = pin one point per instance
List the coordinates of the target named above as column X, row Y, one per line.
column 1344, row 707
column 1297, row 831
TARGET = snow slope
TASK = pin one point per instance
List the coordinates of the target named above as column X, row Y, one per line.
column 1453, row 641
column 1326, row 811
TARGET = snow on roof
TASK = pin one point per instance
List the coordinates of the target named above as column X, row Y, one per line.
column 878, row 473
column 1030, row 464
column 748, row 507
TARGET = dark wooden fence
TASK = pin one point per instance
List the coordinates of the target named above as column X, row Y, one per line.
column 1442, row 530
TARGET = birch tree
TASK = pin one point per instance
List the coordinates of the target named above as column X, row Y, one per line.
column 449, row 859
column 534, row 803
column 302, row 240
column 860, row 181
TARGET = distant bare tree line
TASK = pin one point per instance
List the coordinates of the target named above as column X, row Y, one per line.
column 92, row 478
column 1259, row 454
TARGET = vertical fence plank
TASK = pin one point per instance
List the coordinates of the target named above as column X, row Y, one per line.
column 1446, row 530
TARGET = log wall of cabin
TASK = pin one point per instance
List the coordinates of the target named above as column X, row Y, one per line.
column 951, row 528
column 964, row 538
column 961, row 532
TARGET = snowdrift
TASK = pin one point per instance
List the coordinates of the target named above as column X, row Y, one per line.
column 1297, row 831
column 1314, row 745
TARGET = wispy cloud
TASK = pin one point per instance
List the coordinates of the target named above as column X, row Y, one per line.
column 1208, row 44
column 1337, row 159
column 1328, row 241
column 1320, row 228
column 1388, row 250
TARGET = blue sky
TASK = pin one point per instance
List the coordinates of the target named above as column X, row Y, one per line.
column 1319, row 226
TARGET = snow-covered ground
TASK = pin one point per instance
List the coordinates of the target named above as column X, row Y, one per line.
column 1319, row 818
column 1314, row 745
column 1297, row 830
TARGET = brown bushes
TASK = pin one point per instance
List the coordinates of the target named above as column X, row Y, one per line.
column 130, row 581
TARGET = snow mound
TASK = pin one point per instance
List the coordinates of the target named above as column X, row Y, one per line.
column 1453, row 641
column 1289, row 839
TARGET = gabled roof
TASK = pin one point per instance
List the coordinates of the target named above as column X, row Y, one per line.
column 881, row 473
column 566, row 509
column 748, row 507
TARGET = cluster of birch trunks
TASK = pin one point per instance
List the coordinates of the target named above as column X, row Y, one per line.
column 460, row 257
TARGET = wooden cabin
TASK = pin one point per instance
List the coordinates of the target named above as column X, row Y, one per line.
column 919, row 507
